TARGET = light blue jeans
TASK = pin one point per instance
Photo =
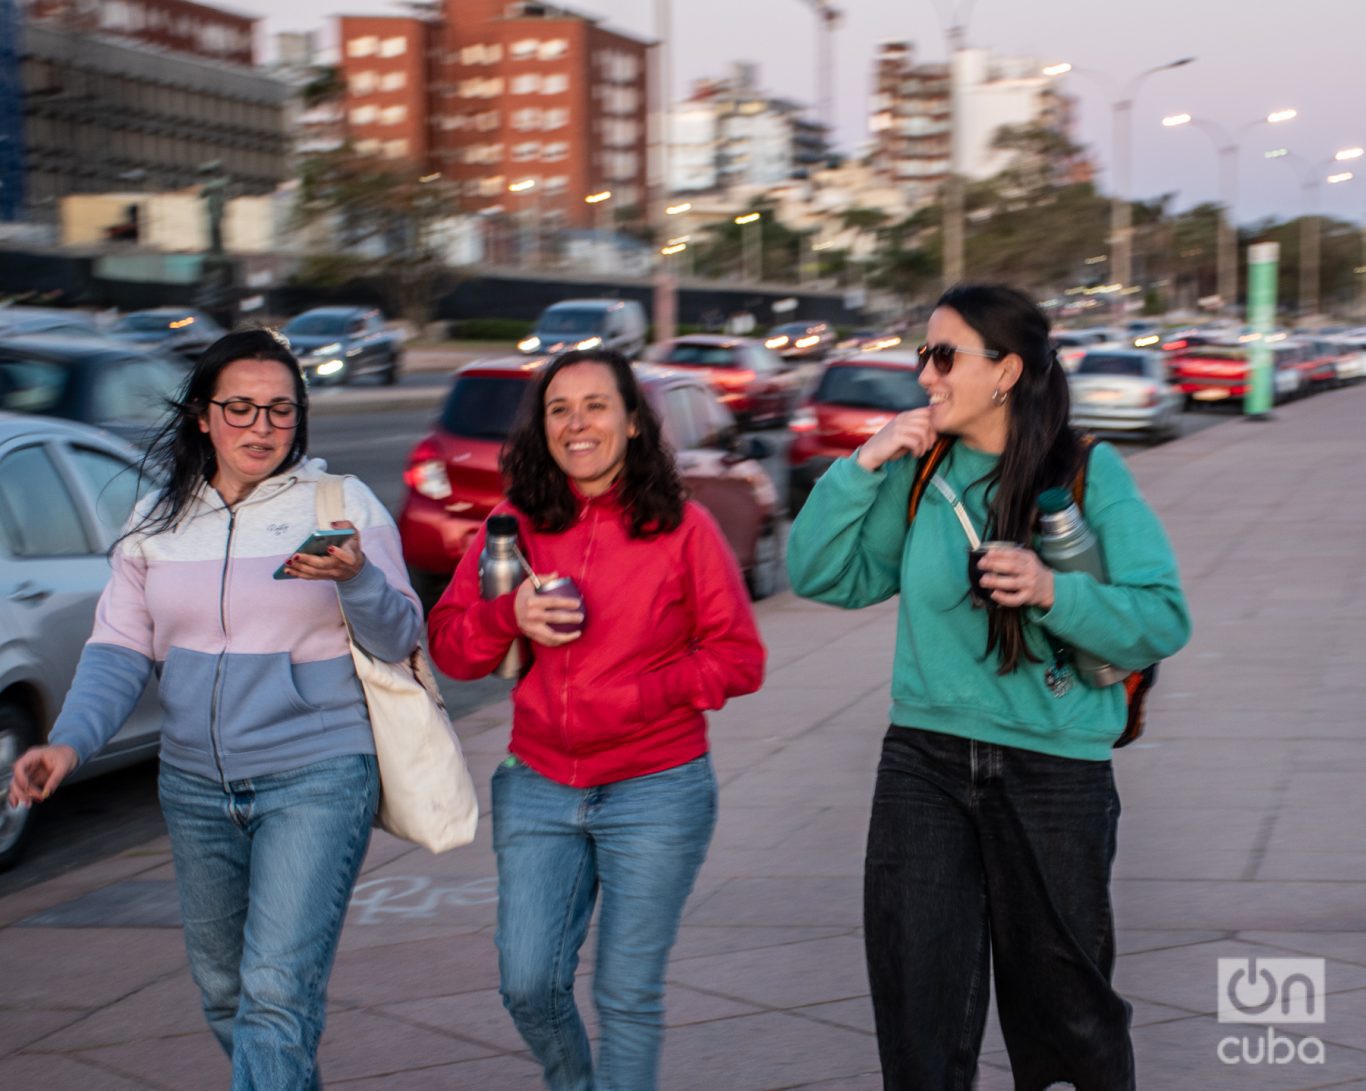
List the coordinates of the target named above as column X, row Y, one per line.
column 641, row 842
column 265, row 872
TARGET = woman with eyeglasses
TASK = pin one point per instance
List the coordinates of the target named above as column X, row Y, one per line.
column 268, row 777
column 995, row 812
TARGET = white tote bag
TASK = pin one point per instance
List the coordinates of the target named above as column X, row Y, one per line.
column 426, row 794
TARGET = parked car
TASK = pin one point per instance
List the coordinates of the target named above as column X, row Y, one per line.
column 454, row 482
column 338, row 344
column 801, row 340
column 181, row 330
column 107, row 383
column 1125, row 390
column 22, row 321
column 1351, row 349
column 1071, row 345
column 65, row 492
column 856, row 395
column 617, row 324
column 748, row 378
column 1221, row 372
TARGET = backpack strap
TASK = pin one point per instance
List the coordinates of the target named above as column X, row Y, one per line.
column 929, row 462
column 1087, row 441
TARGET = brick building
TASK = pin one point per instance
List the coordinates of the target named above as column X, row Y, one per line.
column 525, row 94
column 180, row 26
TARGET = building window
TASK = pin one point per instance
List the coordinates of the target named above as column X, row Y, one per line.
column 527, row 120
column 362, row 83
column 393, row 115
column 523, row 50
column 393, row 47
column 363, row 115
column 553, row 49
column 393, row 81
column 487, row 121
column 395, row 149
column 557, row 117
column 528, row 84
column 491, row 186
column 557, row 83
column 526, row 151
column 367, row 147
column 555, row 151
column 362, row 47
column 487, row 53
column 556, row 183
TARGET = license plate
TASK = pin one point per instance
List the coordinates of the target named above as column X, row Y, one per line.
column 1099, row 397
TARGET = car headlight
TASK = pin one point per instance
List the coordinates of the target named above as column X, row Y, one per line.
column 329, row 368
column 327, row 350
column 589, row 343
column 529, row 344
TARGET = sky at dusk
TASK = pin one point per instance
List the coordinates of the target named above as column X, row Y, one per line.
column 1251, row 59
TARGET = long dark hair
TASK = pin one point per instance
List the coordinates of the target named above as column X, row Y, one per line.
column 181, row 457
column 1041, row 449
column 649, row 486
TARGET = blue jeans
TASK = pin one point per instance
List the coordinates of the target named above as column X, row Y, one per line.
column 265, row 872
column 641, row 841
column 982, row 855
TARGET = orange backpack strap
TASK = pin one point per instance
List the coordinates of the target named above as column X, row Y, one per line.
column 1087, row 441
column 929, row 462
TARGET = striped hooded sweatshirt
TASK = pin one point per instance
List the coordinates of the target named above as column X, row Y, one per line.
column 254, row 674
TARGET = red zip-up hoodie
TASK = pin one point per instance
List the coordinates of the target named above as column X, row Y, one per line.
column 668, row 633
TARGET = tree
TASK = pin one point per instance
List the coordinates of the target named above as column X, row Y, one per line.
column 387, row 219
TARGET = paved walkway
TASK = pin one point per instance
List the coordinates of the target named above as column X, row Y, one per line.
column 1241, row 837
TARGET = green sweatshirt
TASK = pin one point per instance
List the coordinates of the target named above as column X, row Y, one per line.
column 851, row 547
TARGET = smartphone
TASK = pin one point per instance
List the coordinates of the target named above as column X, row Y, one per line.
column 315, row 545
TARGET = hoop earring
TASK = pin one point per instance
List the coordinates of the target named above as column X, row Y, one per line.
column 999, row 396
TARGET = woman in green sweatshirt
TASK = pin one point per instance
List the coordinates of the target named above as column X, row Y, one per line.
column 994, row 816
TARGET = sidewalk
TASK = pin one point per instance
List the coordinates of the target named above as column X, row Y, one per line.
column 1242, row 836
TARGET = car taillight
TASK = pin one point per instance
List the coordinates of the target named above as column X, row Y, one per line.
column 426, row 472
column 735, row 380
column 802, row 421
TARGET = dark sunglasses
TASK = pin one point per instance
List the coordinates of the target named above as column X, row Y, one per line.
column 943, row 353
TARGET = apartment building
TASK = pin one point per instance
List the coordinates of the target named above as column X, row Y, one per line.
column 527, row 108
column 729, row 133
column 179, row 26
column 916, row 106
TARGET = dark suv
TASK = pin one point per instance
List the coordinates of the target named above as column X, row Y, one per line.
column 454, row 482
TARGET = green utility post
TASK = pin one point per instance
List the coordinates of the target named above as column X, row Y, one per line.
column 1261, row 316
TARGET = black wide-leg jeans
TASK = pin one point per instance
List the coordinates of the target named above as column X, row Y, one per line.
column 979, row 855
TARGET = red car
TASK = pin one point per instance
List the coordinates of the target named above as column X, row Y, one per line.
column 750, row 380
column 1211, row 373
column 857, row 394
column 454, row 482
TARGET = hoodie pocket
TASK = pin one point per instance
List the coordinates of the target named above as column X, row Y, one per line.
column 185, row 688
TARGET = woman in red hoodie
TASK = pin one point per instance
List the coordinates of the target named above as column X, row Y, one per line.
column 608, row 787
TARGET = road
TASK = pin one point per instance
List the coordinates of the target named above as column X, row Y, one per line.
column 114, row 813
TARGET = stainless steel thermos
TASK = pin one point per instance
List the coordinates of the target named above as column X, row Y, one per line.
column 1067, row 544
column 499, row 572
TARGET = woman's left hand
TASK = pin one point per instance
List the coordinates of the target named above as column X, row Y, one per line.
column 342, row 562
column 1016, row 577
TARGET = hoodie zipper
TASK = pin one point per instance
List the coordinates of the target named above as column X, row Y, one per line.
column 215, row 741
column 591, row 515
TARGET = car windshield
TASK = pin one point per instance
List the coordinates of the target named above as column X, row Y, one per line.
column 316, row 325
column 699, row 355
column 482, row 406
column 792, row 329
column 871, row 388
column 144, row 323
column 1110, row 363
column 570, row 320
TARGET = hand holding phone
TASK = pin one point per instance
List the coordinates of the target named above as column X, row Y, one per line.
column 317, row 545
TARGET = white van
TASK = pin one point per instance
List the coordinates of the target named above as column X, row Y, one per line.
column 617, row 324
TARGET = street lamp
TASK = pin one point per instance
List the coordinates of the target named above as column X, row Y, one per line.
column 599, row 202
column 1227, row 148
column 1121, row 213
column 754, row 266
column 1308, row 174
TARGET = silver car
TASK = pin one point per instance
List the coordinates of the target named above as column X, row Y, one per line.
column 1116, row 389
column 65, row 492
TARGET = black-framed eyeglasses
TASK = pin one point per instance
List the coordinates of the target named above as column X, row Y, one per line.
column 943, row 354
column 241, row 413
